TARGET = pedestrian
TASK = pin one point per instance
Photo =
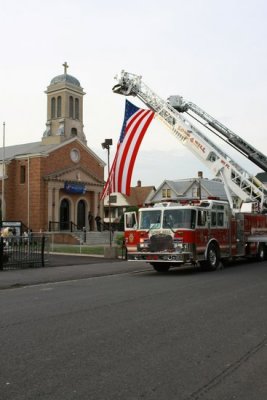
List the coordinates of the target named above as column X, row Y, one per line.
column 25, row 237
column 90, row 221
column 98, row 223
column 30, row 235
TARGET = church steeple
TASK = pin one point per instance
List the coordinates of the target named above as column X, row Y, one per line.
column 64, row 109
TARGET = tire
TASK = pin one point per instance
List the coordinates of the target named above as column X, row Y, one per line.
column 261, row 253
column 161, row 267
column 212, row 262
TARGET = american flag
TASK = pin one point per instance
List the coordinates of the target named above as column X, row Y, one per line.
column 136, row 121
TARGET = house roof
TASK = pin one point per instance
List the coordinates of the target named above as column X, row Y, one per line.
column 139, row 195
column 180, row 187
column 214, row 188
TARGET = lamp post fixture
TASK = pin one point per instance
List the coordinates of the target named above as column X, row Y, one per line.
column 106, row 145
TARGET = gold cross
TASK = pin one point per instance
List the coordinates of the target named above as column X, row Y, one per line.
column 65, row 65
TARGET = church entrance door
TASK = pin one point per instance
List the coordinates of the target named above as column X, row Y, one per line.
column 64, row 215
column 81, row 215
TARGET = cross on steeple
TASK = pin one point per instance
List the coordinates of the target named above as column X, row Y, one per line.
column 65, row 65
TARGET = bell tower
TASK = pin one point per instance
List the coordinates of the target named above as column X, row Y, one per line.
column 64, row 109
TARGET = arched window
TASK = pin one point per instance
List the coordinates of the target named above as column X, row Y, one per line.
column 59, row 106
column 53, row 107
column 73, row 132
column 71, row 107
column 77, row 112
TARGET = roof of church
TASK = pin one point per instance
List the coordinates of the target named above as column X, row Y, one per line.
column 65, row 78
column 26, row 148
column 38, row 148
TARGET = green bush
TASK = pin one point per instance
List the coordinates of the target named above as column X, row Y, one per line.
column 119, row 239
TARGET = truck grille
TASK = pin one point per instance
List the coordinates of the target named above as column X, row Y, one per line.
column 161, row 243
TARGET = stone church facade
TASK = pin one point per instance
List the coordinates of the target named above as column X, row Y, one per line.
column 54, row 183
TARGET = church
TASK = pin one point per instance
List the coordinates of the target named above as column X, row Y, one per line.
column 51, row 185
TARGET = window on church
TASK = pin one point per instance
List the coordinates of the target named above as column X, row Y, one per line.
column 59, row 106
column 73, row 132
column 77, row 112
column 71, row 107
column 53, row 107
column 22, row 174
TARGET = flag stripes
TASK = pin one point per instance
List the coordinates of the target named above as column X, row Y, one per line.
column 135, row 124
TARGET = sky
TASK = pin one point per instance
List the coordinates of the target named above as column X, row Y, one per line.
column 211, row 52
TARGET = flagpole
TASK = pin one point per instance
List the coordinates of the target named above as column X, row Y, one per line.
column 110, row 238
column 3, row 174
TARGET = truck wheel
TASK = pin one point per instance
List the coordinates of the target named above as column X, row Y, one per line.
column 261, row 253
column 213, row 260
column 161, row 267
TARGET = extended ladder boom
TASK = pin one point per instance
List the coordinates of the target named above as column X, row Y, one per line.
column 232, row 138
column 240, row 186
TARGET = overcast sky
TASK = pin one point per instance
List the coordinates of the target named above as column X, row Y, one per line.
column 212, row 52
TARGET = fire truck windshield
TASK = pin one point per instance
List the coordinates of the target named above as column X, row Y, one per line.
column 150, row 219
column 171, row 218
column 179, row 218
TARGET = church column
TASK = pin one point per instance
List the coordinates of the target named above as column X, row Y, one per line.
column 95, row 204
column 50, row 204
column 56, row 202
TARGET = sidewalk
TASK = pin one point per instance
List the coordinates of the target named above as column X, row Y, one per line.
column 66, row 268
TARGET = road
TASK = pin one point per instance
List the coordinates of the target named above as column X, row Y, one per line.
column 187, row 335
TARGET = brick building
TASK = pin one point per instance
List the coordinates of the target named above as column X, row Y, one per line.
column 54, row 183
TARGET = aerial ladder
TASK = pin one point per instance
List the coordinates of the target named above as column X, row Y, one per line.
column 223, row 132
column 240, row 186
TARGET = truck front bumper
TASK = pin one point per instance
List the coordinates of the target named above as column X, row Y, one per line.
column 181, row 258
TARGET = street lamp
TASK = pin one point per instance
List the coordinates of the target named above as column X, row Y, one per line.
column 106, row 145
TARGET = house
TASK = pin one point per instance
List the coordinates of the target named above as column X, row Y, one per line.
column 119, row 203
column 189, row 190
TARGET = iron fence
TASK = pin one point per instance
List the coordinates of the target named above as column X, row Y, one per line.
column 20, row 252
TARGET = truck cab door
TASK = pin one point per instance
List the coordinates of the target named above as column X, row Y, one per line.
column 130, row 221
column 130, row 233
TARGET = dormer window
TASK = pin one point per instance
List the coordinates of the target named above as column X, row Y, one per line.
column 166, row 193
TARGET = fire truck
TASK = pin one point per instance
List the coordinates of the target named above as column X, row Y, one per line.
column 210, row 232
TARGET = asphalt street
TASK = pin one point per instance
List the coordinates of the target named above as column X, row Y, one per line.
column 135, row 334
column 61, row 267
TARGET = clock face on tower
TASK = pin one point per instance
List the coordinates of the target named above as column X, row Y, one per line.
column 75, row 155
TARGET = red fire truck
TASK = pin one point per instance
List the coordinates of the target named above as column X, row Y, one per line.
column 211, row 231
column 168, row 235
